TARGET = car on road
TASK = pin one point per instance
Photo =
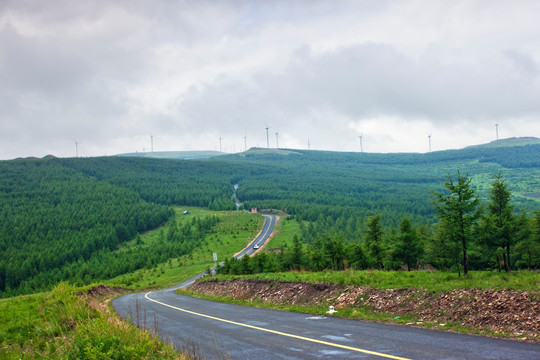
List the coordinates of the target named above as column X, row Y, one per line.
column 256, row 246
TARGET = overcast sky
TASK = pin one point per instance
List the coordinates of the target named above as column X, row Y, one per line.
column 109, row 74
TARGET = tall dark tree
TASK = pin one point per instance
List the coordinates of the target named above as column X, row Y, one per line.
column 527, row 248
column 503, row 221
column 297, row 253
column 458, row 210
column 317, row 258
column 335, row 251
column 374, row 239
column 535, row 239
column 408, row 248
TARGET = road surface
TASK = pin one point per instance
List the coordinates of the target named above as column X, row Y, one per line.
column 262, row 238
column 224, row 331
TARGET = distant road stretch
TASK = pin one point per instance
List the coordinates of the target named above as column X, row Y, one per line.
column 222, row 331
column 262, row 238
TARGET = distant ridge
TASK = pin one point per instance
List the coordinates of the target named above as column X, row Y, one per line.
column 181, row 155
column 263, row 151
column 513, row 141
column 206, row 154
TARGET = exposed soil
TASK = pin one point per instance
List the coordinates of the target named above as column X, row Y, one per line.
column 504, row 312
column 103, row 291
column 99, row 297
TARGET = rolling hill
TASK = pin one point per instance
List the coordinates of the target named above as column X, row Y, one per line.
column 58, row 215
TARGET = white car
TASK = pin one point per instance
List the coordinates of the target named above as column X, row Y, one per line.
column 256, row 246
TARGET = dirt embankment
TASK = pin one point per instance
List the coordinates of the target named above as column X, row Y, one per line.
column 516, row 314
column 98, row 297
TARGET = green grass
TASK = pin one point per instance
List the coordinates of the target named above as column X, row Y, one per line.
column 434, row 282
column 231, row 234
column 431, row 281
column 284, row 231
column 59, row 325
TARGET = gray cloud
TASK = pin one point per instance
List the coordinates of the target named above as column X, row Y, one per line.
column 524, row 64
column 111, row 74
column 362, row 81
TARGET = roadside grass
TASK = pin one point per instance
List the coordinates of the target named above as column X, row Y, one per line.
column 432, row 281
column 357, row 313
column 284, row 231
column 360, row 313
column 59, row 325
column 230, row 235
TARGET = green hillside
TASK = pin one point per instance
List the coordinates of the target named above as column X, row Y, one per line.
column 304, row 182
column 521, row 141
column 61, row 217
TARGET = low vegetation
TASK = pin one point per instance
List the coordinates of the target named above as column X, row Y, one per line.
column 432, row 281
column 60, row 325
column 230, row 232
column 75, row 322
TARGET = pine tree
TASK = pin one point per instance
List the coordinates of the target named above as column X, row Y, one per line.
column 408, row 247
column 374, row 239
column 503, row 220
column 297, row 253
column 458, row 211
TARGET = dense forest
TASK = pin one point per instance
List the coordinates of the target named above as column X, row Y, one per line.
column 52, row 217
column 65, row 218
column 467, row 236
column 336, row 192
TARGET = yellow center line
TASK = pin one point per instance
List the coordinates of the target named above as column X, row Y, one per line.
column 278, row 332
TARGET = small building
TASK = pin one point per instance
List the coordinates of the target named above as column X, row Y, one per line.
column 253, row 210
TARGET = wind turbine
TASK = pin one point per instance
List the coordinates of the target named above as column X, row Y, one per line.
column 267, row 139
column 277, row 140
column 308, row 144
column 361, row 144
column 429, row 139
column 151, row 143
column 220, row 138
column 497, row 130
column 245, row 142
column 76, row 148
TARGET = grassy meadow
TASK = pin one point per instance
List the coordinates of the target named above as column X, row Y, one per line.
column 284, row 231
column 60, row 325
column 231, row 234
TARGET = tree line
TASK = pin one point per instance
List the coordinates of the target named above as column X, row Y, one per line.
column 468, row 235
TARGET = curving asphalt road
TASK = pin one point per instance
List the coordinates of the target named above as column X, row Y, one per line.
column 261, row 238
column 225, row 331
